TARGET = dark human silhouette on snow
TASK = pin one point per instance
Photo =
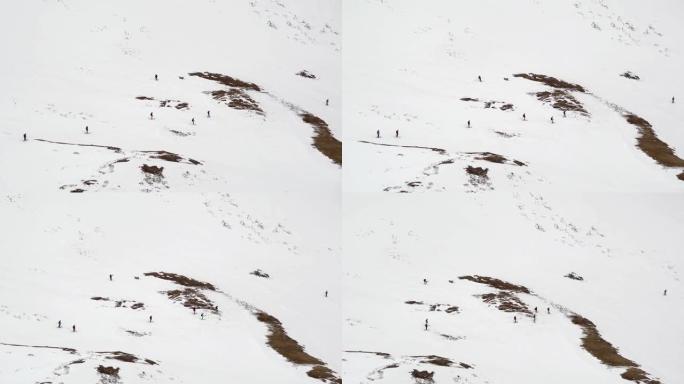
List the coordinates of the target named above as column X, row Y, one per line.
column 86, row 129
column 377, row 133
column 326, row 293
column 468, row 123
column 110, row 277
column 326, row 101
column 524, row 117
column 479, row 78
column 156, row 77
column 208, row 114
column 193, row 121
column 150, row 318
column 151, row 116
column 396, row 133
column 551, row 119
column 73, row 328
column 59, row 324
column 426, row 324
column 24, row 137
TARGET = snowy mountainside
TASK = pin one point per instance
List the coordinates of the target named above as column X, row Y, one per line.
column 216, row 232
column 546, row 247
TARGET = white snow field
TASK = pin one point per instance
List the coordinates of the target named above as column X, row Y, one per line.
column 498, row 241
column 240, row 191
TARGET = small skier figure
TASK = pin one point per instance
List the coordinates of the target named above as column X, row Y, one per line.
column 151, row 115
column 551, row 119
column 86, row 129
column 24, row 137
column 202, row 315
column 208, row 114
column 327, row 101
column 534, row 318
column 193, row 121
column 535, row 309
column 426, row 324
column 665, row 292
column 396, row 133
column 425, row 281
column 326, row 293
column 156, row 78
column 515, row 319
column 548, row 310
column 672, row 99
column 110, row 277
column 564, row 114
column 479, row 78
column 150, row 318
column 468, row 123
column 193, row 310
column 73, row 328
column 377, row 133
column 59, row 324
column 524, row 117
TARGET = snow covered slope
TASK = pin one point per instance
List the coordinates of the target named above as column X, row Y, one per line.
column 235, row 215
column 546, row 247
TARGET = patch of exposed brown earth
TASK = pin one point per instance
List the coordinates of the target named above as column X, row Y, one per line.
column 323, row 139
column 562, row 101
column 651, row 145
column 260, row 273
column 574, row 276
column 436, row 360
column 495, row 158
column 171, row 157
column 181, row 280
column 144, row 98
column 307, row 74
column 604, row 351
column 152, row 170
column 192, row 298
column 126, row 357
column 496, row 283
column 290, row 349
column 551, row 81
column 507, row 302
column 630, row 75
column 477, row 171
column 174, row 103
column 226, row 80
column 236, row 98
column 423, row 376
column 108, row 371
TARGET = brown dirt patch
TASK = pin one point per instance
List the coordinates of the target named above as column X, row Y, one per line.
column 681, row 176
column 651, row 145
column 260, row 273
column 562, row 101
column 551, row 81
column 413, row 302
column 436, row 360
column 286, row 346
column 77, row 190
column 495, row 158
column 630, row 75
column 469, row 99
column 598, row 346
column 324, row 374
column 109, row 371
column 307, row 74
column 152, row 169
column 574, row 276
column 496, row 283
column 237, row 99
column 506, row 107
column 323, row 139
column 100, row 298
column 144, row 98
column 226, row 80
column 477, row 171
column 181, row 280
column 425, row 376
column 192, row 298
column 507, row 302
